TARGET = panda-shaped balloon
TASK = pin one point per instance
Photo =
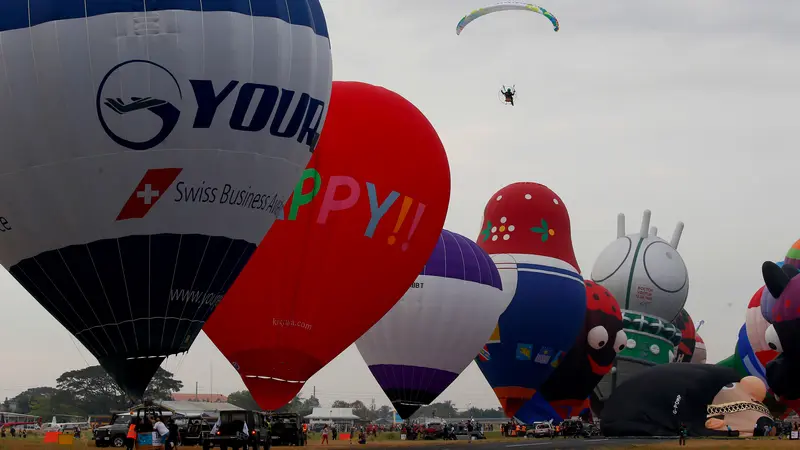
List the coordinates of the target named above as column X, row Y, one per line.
column 644, row 272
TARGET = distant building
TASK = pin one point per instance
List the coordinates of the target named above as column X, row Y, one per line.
column 199, row 408
column 208, row 398
column 343, row 418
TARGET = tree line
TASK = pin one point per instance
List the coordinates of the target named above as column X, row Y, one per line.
column 86, row 392
column 305, row 406
column 92, row 392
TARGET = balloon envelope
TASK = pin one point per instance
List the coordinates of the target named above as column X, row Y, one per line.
column 683, row 321
column 527, row 232
column 356, row 233
column 700, row 355
column 432, row 334
column 566, row 392
column 133, row 189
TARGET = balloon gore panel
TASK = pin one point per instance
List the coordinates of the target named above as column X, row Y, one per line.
column 111, row 294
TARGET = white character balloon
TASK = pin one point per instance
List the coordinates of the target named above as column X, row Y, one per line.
column 646, row 273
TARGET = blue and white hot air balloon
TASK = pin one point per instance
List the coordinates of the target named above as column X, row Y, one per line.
column 432, row 334
column 146, row 147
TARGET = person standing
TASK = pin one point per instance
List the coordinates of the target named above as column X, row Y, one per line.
column 324, row 435
column 682, row 431
column 130, row 438
column 163, row 432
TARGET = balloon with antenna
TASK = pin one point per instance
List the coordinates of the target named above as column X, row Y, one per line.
column 130, row 204
column 643, row 271
column 648, row 277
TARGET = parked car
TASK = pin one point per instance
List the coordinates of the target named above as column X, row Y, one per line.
column 286, row 429
column 541, row 429
column 230, row 431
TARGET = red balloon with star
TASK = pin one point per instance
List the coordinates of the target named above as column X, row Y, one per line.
column 359, row 227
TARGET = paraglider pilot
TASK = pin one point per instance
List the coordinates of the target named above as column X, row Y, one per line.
column 509, row 94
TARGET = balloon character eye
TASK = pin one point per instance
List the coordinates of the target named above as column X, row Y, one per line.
column 597, row 337
column 773, row 340
column 621, row 341
column 729, row 386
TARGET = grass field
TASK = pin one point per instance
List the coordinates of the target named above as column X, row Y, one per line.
column 34, row 442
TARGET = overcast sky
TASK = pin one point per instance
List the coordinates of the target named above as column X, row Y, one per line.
column 682, row 107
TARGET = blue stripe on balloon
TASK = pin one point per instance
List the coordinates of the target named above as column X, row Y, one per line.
column 540, row 267
column 18, row 14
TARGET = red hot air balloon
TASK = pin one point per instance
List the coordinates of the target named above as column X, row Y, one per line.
column 360, row 226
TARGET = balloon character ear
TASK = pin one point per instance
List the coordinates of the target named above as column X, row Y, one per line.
column 790, row 270
column 715, row 424
column 775, row 278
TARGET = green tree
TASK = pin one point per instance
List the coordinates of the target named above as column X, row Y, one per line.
column 97, row 393
column 384, row 412
column 163, row 385
column 306, row 406
column 47, row 401
column 340, row 404
column 243, row 399
column 57, row 402
column 444, row 409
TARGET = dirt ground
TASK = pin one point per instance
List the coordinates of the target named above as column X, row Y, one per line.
column 719, row 444
column 33, row 443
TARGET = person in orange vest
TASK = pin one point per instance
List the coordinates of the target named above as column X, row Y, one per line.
column 130, row 439
column 305, row 431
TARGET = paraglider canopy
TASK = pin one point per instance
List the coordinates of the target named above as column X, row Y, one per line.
column 506, row 6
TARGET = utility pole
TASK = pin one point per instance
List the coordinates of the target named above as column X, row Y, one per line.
column 196, row 398
column 211, row 388
column 314, row 392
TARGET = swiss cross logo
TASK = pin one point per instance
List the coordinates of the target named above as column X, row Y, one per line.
column 150, row 189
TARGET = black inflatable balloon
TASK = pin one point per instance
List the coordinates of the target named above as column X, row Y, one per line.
column 565, row 394
column 656, row 401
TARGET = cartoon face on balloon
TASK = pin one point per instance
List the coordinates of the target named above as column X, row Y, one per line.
column 738, row 406
column 783, row 335
column 605, row 337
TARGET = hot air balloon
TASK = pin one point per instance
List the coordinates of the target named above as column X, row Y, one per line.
column 648, row 276
column 356, row 232
column 526, row 230
column 685, row 349
column 700, row 355
column 432, row 334
column 134, row 189
column 566, row 392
